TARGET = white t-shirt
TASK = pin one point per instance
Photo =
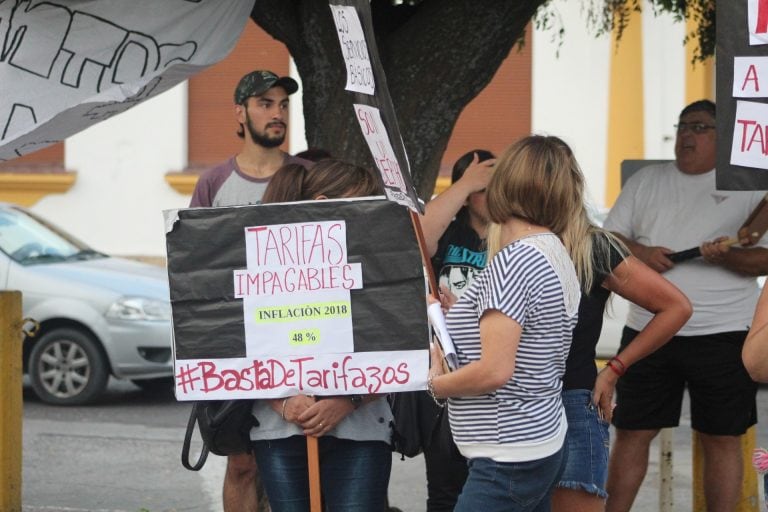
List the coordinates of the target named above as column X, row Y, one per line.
column 661, row 206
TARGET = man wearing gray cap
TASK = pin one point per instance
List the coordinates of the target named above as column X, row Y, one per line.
column 261, row 110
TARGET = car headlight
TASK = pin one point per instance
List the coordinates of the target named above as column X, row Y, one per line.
column 139, row 308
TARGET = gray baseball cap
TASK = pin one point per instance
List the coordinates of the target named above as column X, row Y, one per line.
column 258, row 82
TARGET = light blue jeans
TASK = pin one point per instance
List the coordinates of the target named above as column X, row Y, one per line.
column 511, row 486
column 354, row 475
column 587, row 445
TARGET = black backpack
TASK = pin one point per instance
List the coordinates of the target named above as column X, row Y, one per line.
column 225, row 427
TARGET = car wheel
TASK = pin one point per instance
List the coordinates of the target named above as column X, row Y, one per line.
column 67, row 367
column 157, row 385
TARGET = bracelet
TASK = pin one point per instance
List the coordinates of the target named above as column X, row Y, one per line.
column 431, row 391
column 621, row 363
column 282, row 414
column 618, row 367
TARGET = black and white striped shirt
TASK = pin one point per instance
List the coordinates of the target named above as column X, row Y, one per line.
column 532, row 281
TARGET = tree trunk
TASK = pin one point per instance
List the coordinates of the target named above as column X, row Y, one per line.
column 437, row 57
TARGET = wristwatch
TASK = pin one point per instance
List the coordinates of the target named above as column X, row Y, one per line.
column 357, row 400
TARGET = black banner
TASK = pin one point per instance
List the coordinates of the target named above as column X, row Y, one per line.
column 207, row 248
column 733, row 41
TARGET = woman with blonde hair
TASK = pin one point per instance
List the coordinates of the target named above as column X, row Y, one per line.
column 512, row 330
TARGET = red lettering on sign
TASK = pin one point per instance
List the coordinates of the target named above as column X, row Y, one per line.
column 751, row 76
column 296, row 373
column 762, row 17
column 744, row 123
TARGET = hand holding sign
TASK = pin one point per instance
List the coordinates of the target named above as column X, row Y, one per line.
column 749, row 234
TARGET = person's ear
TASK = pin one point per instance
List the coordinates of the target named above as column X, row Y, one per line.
column 321, row 197
column 240, row 113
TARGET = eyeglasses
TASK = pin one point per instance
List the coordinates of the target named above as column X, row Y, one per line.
column 697, row 128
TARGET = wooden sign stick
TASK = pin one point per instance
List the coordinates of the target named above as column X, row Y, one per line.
column 751, row 232
column 313, row 461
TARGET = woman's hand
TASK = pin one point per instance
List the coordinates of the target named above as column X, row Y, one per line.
column 292, row 407
column 437, row 361
column 447, row 298
column 602, row 395
column 324, row 414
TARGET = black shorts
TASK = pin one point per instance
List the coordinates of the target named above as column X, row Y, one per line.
column 650, row 395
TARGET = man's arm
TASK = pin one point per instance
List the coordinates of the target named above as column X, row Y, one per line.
column 653, row 256
column 750, row 261
column 201, row 195
column 441, row 210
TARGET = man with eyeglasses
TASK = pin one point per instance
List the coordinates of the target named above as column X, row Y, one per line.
column 663, row 209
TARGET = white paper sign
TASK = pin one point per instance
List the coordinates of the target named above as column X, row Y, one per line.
column 750, row 135
column 437, row 321
column 279, row 376
column 750, row 77
column 376, row 136
column 758, row 21
column 354, row 49
column 65, row 65
column 296, row 289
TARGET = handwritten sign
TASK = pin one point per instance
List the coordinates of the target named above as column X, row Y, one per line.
column 758, row 21
column 750, row 135
column 296, row 289
column 322, row 297
column 376, row 136
column 750, row 77
column 354, row 49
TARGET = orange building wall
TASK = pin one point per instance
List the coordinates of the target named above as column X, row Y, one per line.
column 212, row 126
column 46, row 159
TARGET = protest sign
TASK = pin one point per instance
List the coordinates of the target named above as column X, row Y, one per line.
column 750, row 135
column 757, row 18
column 74, row 63
column 371, row 100
column 750, row 77
column 741, row 70
column 321, row 297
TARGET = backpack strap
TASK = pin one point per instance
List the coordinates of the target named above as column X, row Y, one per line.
column 187, row 441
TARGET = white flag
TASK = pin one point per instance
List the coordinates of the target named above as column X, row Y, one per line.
column 69, row 64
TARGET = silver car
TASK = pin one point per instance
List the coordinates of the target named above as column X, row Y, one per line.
column 98, row 315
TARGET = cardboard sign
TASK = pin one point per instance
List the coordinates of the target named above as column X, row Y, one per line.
column 373, row 105
column 377, row 138
column 296, row 288
column 758, row 21
column 354, row 49
column 319, row 297
column 742, row 70
column 66, row 65
column 750, row 135
column 750, row 77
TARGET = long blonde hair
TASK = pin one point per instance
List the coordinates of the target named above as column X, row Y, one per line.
column 538, row 180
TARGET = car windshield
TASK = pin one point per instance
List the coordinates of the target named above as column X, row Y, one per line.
column 29, row 240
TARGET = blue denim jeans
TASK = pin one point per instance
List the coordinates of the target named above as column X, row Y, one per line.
column 587, row 445
column 354, row 475
column 511, row 486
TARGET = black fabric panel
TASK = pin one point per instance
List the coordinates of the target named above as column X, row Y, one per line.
column 733, row 41
column 207, row 244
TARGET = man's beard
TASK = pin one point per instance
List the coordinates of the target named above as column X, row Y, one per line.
column 265, row 140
